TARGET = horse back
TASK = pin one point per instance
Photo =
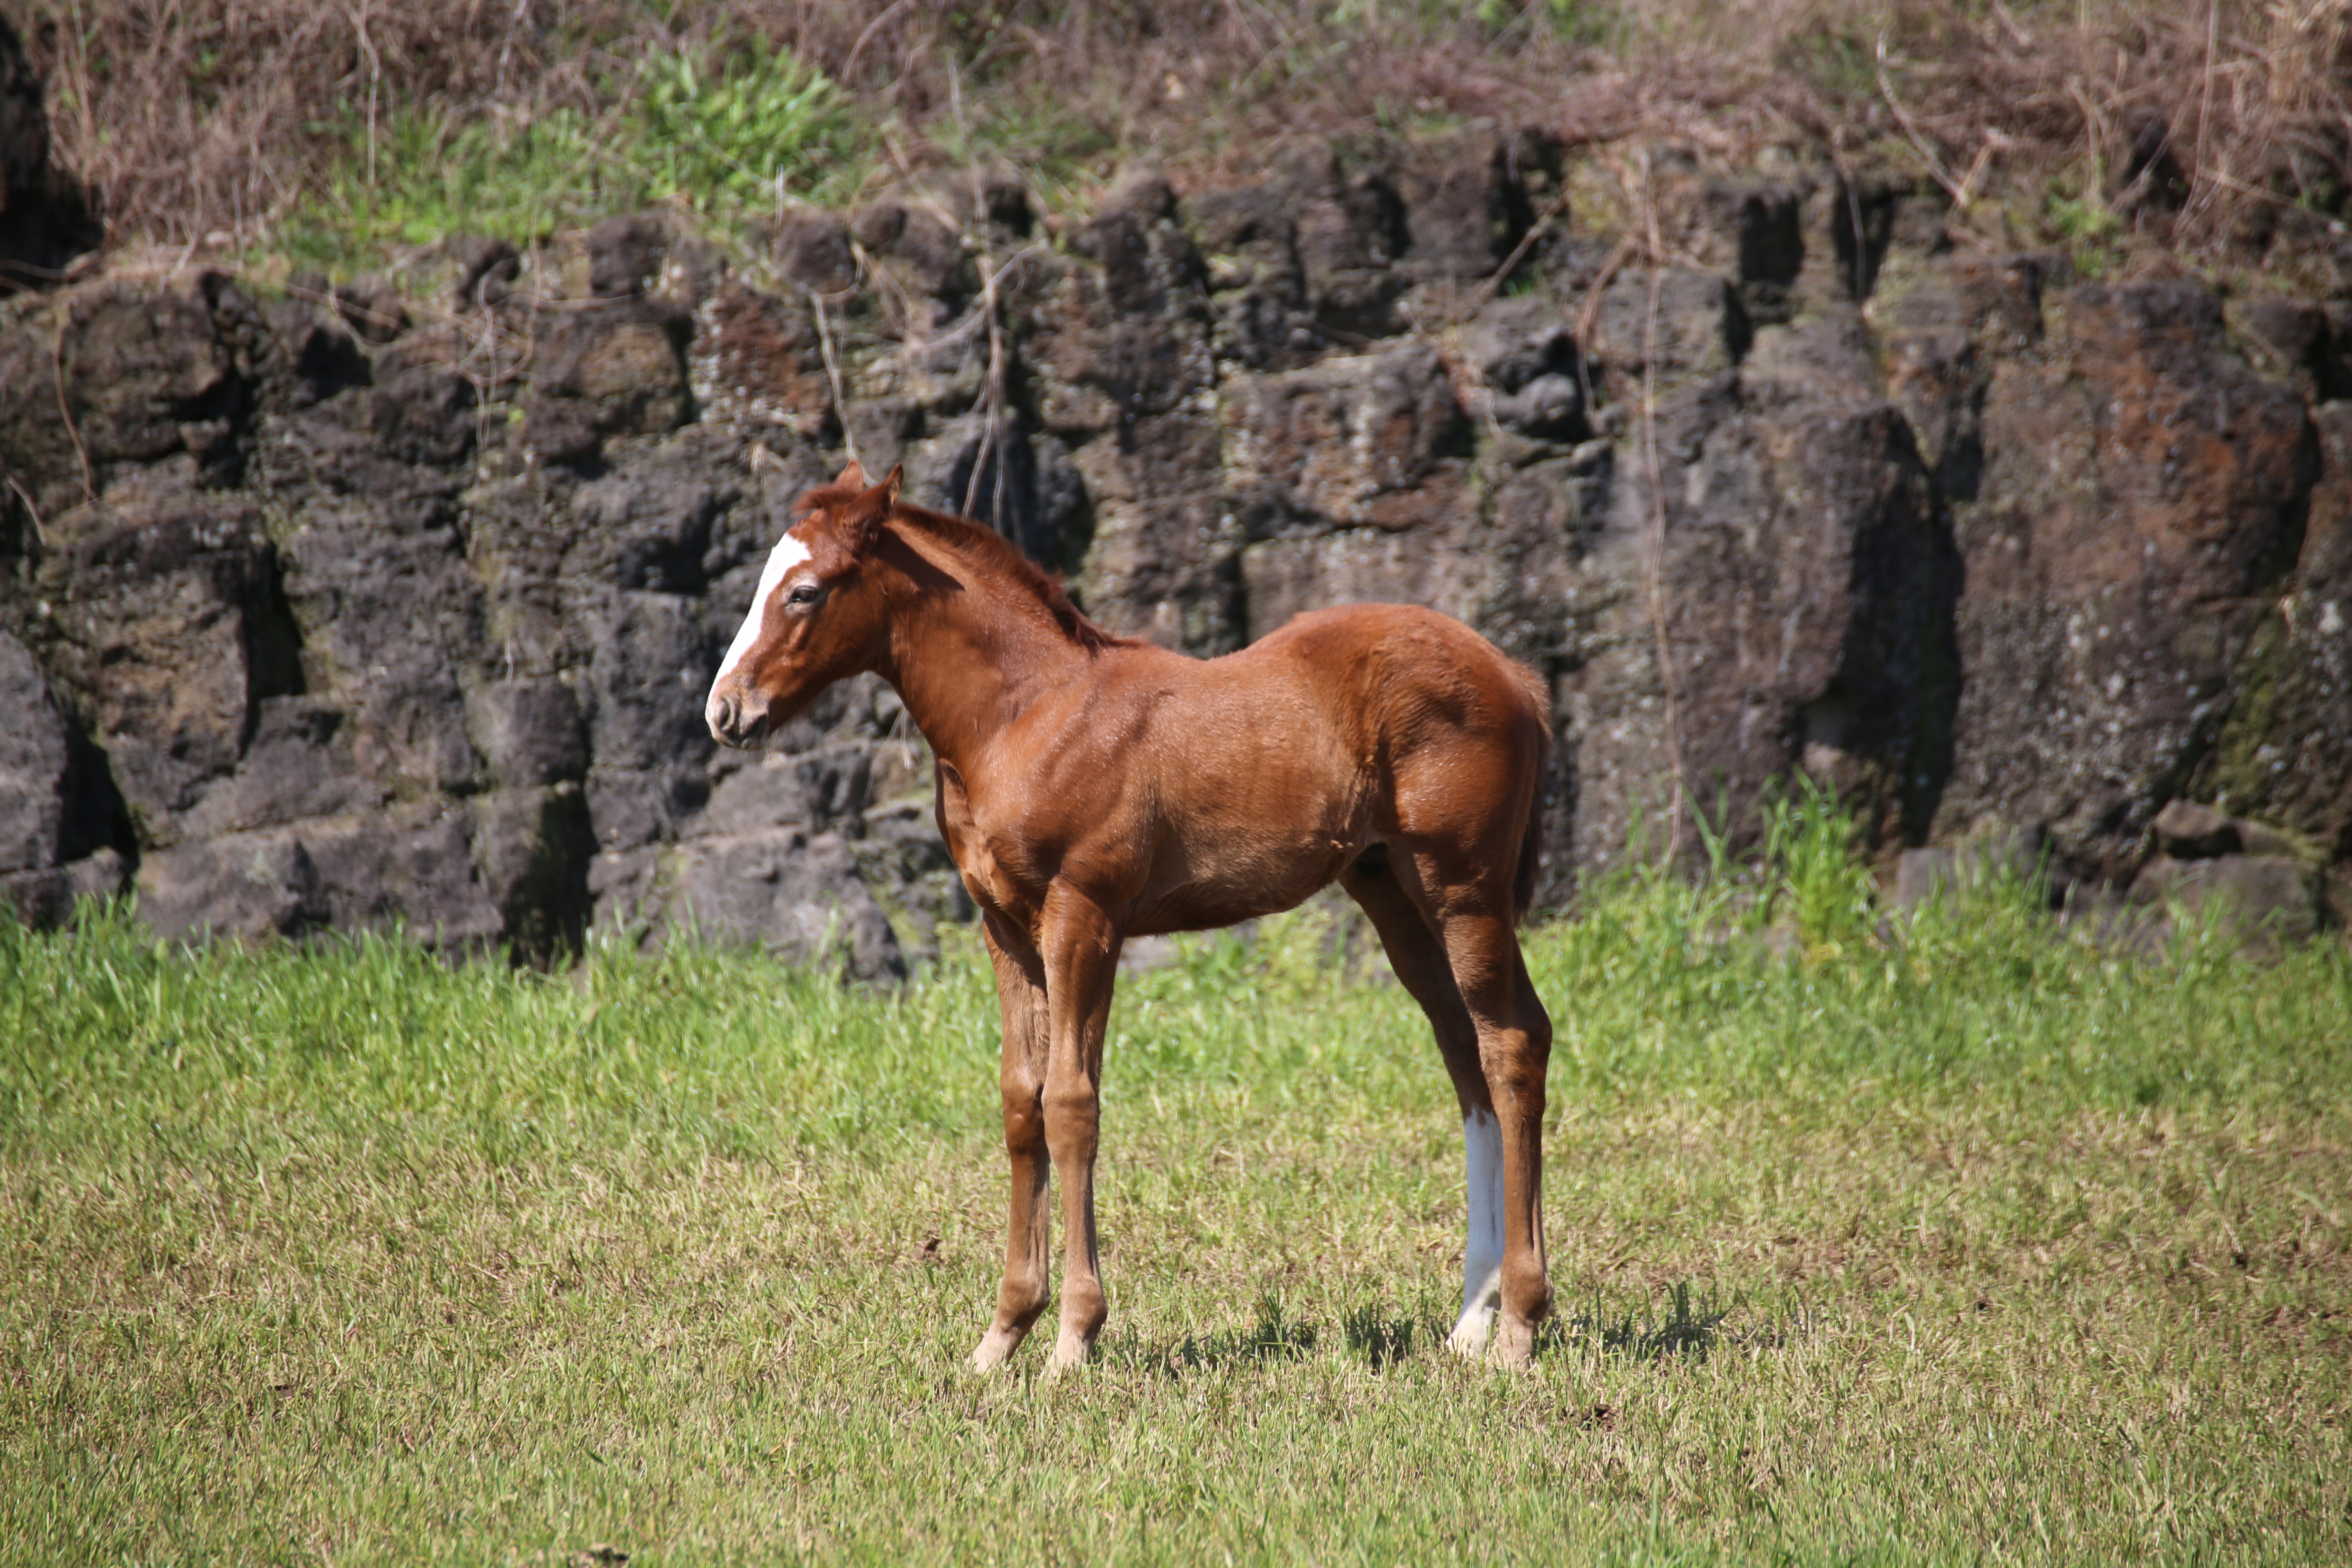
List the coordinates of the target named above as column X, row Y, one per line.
column 1408, row 675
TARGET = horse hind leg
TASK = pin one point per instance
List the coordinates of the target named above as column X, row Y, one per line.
column 1419, row 960
column 1514, row 1034
column 1482, row 1254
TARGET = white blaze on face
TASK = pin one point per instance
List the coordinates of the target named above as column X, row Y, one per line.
column 788, row 553
column 1482, row 1256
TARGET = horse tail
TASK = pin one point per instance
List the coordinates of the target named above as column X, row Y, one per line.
column 1523, row 885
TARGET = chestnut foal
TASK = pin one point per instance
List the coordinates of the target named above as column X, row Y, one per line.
column 1093, row 788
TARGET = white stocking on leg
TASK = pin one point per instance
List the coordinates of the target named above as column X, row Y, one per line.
column 1482, row 1254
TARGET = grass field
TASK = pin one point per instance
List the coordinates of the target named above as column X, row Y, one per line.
column 1968, row 1242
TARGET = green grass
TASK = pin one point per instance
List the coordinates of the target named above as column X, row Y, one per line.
column 1970, row 1245
column 2077, row 217
column 728, row 138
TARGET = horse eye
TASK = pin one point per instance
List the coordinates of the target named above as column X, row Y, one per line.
column 804, row 595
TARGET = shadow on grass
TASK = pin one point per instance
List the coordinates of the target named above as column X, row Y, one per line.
column 1376, row 1334
column 1273, row 1338
column 1381, row 1341
column 1689, row 1331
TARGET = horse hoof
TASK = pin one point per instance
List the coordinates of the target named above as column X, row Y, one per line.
column 996, row 1348
column 1070, row 1353
column 1471, row 1330
column 1514, row 1344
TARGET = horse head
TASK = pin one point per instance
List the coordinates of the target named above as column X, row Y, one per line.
column 815, row 617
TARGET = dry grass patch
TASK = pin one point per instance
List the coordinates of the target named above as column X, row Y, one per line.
column 2130, row 129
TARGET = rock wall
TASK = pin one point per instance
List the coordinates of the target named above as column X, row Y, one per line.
column 396, row 601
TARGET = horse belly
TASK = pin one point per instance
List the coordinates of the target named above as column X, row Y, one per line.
column 1250, row 859
column 1213, row 905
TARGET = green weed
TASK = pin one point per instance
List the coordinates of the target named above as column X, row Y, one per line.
column 1841, row 64
column 1582, row 22
column 765, row 129
column 1578, row 21
column 2081, row 219
column 1809, row 868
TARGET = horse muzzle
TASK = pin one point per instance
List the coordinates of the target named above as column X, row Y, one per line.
column 737, row 716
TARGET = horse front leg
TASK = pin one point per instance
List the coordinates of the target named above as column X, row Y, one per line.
column 1079, row 944
column 1021, row 996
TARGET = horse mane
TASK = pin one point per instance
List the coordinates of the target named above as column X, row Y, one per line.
column 970, row 538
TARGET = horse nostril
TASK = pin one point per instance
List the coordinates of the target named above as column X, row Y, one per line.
column 738, row 717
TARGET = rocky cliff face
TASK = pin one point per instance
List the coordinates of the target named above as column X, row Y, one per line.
column 397, row 602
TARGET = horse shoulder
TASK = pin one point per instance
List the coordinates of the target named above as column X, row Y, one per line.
column 968, row 844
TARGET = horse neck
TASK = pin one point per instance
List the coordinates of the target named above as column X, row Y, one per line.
column 970, row 646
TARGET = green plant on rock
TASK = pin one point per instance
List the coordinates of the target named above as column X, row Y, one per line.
column 765, row 127
column 2084, row 222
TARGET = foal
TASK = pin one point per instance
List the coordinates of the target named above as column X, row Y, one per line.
column 1093, row 788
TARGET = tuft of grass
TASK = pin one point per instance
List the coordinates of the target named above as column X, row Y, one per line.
column 761, row 128
column 1810, row 867
column 2081, row 220
column 1959, row 1240
column 1807, row 877
column 426, row 176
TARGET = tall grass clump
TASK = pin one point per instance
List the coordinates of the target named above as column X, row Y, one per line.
column 1788, row 972
column 114, row 1034
column 749, row 130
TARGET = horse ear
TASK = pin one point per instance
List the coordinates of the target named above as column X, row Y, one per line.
column 870, row 510
column 853, row 477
